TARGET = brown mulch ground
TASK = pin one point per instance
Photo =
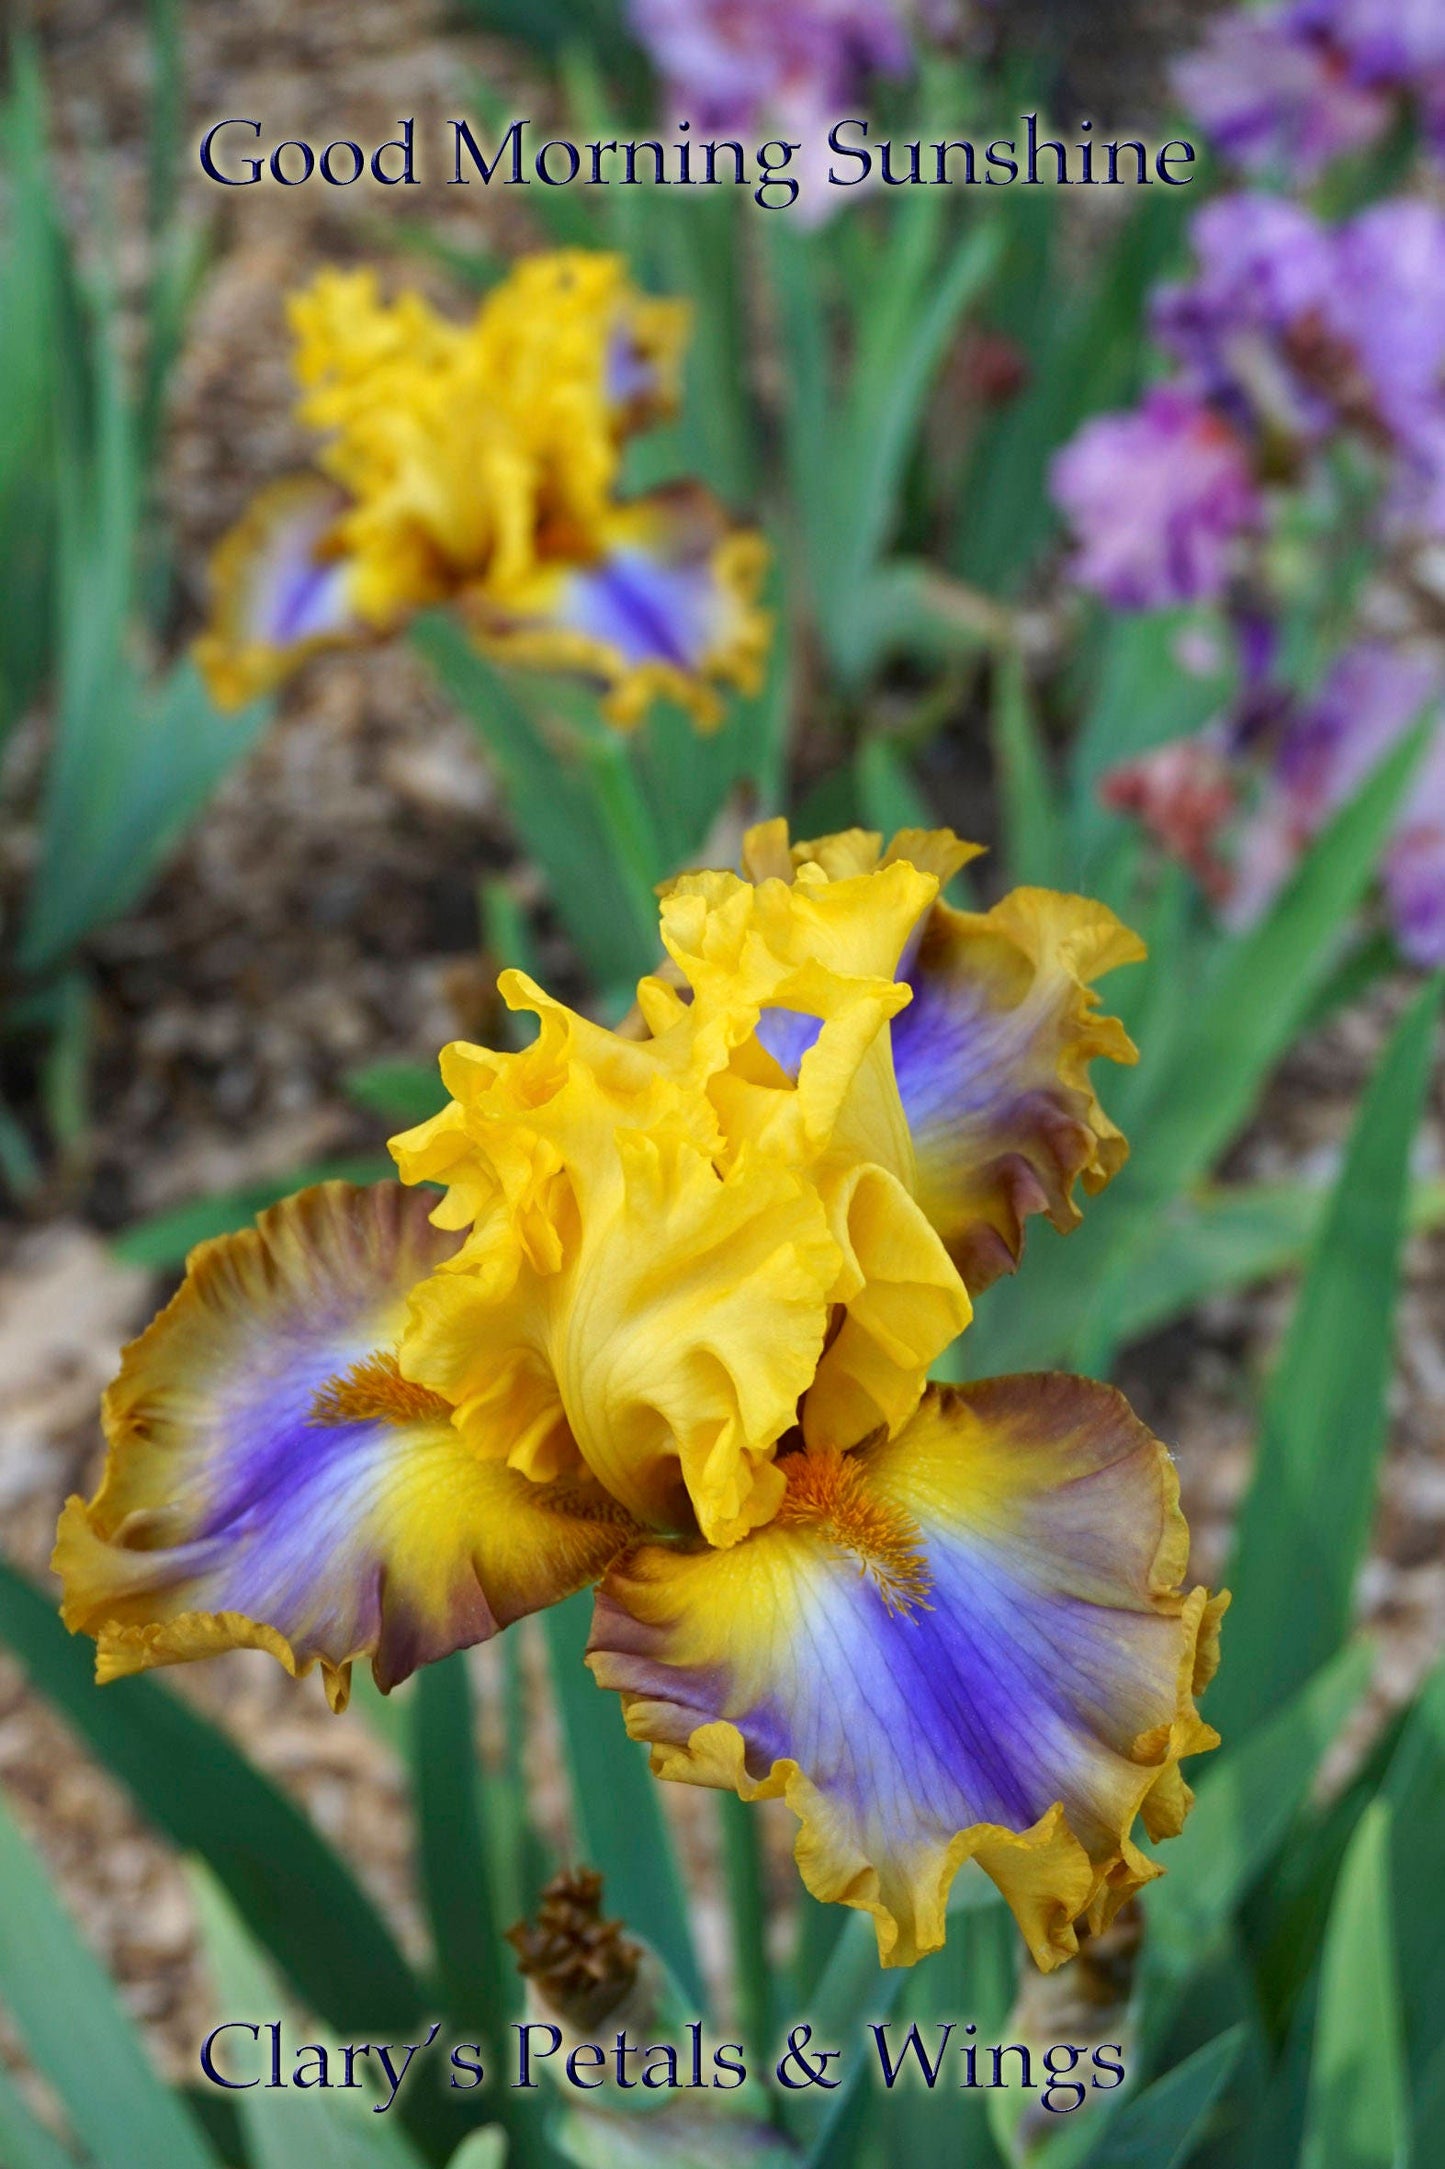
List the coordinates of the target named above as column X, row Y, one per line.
column 324, row 915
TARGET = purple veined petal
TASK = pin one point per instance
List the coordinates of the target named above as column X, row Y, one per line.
column 273, row 1482
column 992, row 1059
column 967, row 1643
column 649, row 611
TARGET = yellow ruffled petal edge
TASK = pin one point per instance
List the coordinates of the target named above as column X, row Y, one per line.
column 1045, row 1874
column 936, row 851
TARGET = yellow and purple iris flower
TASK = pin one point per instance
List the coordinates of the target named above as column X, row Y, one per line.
column 668, row 1329
column 477, row 465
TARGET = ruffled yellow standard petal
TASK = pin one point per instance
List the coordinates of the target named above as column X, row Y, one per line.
column 970, row 1642
column 991, row 1055
column 440, row 486
column 628, row 1295
column 273, row 1482
column 580, row 351
column 474, row 453
column 815, row 960
column 660, row 602
column 282, row 589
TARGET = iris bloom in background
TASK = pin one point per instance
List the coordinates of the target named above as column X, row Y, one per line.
column 735, row 67
column 669, row 1329
column 1240, row 805
column 1161, row 501
column 1289, row 88
column 731, row 64
column 477, row 465
column 1290, row 335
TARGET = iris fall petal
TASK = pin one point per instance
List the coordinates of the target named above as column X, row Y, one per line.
column 664, row 606
column 967, row 1643
column 281, row 589
column 992, row 1059
column 274, row 1483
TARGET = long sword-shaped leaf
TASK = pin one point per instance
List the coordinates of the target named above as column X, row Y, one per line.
column 888, row 797
column 475, row 1979
column 974, row 1973
column 400, row 1092
column 299, row 1898
column 748, row 1909
column 24, row 2142
column 334, row 2128
column 39, row 354
column 165, row 1241
column 618, row 1813
column 1415, row 1788
column 1358, row 2114
column 1215, row 1243
column 1164, row 2125
column 601, row 891
column 1429, row 2106
column 75, row 2031
column 1241, row 1817
column 852, row 1990
column 1033, row 835
column 895, row 370
column 1306, row 1521
column 132, row 762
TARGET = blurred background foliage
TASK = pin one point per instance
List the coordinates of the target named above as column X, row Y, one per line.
column 886, row 392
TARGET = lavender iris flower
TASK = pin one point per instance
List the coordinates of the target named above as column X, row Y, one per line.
column 1266, row 267
column 1276, row 97
column 1289, row 88
column 730, row 64
column 1389, row 305
column 1159, row 500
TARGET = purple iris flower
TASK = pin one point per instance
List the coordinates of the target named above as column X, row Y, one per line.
column 1266, row 269
column 1158, row 499
column 729, row 64
column 1277, row 96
